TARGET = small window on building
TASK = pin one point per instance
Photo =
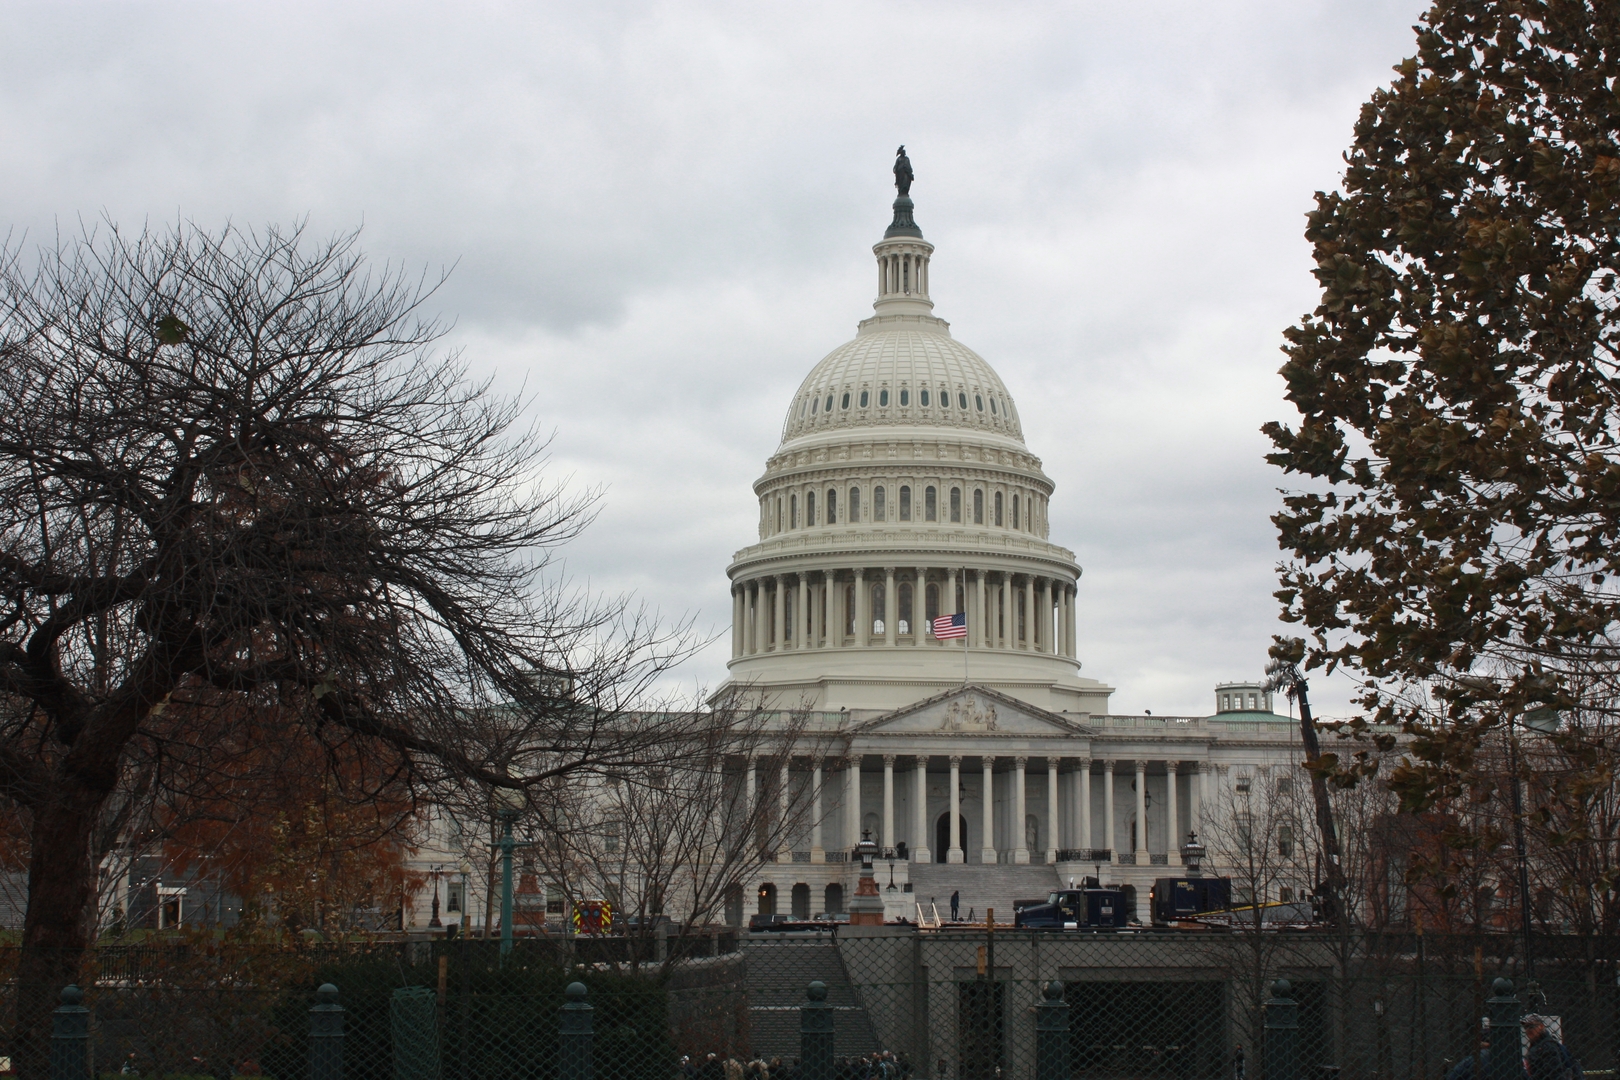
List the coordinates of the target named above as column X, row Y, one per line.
column 853, row 515
column 998, row 508
column 1015, row 512
column 554, row 900
column 883, row 398
column 1245, row 783
column 923, row 398
column 880, row 504
column 992, row 406
column 793, row 511
column 961, row 400
column 879, row 599
column 815, row 403
column 905, row 502
column 1285, row 894
column 610, row 837
column 1285, row 841
column 844, row 403
column 931, row 602
column 978, row 399
column 905, row 397
column 903, row 612
column 944, row 398
column 956, row 504
column 809, row 508
column 829, row 403
column 1245, row 827
column 849, row 609
column 832, row 507
column 1285, row 785
column 1254, row 702
column 930, row 504
column 978, row 506
column 864, row 396
column 453, row 899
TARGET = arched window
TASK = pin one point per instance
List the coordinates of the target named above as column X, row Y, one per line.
column 978, row 506
column 961, row 399
column 778, row 513
column 844, row 404
column 956, row 504
column 803, row 405
column 832, row 506
column 922, row 398
column 829, row 403
column 809, row 508
column 864, row 396
column 880, row 504
column 992, row 406
column 853, row 514
column 849, row 609
column 998, row 508
column 905, row 502
column 931, row 603
column 878, row 600
column 903, row 611
column 815, row 403
column 944, row 398
column 930, row 504
column 1015, row 512
column 793, row 511
column 905, row 396
column 883, row 398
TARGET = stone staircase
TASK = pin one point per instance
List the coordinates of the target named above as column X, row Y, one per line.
column 778, row 969
column 982, row 886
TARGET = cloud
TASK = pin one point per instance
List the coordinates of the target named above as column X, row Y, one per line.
column 660, row 217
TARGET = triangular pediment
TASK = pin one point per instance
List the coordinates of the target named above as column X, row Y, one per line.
column 972, row 710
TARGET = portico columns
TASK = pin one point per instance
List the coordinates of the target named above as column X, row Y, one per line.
column 887, row 841
column 1173, row 846
column 1029, row 614
column 779, row 611
column 1110, row 831
column 1085, row 840
column 954, row 853
column 852, row 802
column 762, row 627
column 737, row 630
column 982, row 633
column 1141, row 813
column 947, row 604
column 891, row 606
column 987, row 849
column 1051, row 809
column 1009, row 621
column 751, row 785
column 825, row 615
column 784, row 852
column 801, row 615
column 1197, row 814
column 1046, row 640
column 818, row 853
column 920, row 847
column 1069, row 591
column 863, row 603
column 1020, row 837
column 919, row 607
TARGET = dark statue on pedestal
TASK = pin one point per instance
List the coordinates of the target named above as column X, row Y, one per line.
column 902, row 172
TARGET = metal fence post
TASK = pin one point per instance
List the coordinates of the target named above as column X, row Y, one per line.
column 326, row 1035
column 70, row 1037
column 816, row 1034
column 1052, row 1035
column 414, row 1030
column 574, row 1036
column 1282, row 1033
column 1503, row 1010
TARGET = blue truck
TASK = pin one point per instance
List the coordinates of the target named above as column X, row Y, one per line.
column 1091, row 908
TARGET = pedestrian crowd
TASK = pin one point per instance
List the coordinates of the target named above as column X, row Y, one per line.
column 879, row 1065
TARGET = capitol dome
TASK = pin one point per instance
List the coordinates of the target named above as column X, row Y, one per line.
column 902, row 491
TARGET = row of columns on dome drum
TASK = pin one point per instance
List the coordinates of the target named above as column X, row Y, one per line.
column 1070, row 812
column 859, row 608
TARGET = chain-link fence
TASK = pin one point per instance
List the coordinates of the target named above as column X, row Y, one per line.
column 898, row 1003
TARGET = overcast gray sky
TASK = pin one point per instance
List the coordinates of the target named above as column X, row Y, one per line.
column 661, row 217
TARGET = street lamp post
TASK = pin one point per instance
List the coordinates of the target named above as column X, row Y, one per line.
column 509, row 804
column 435, row 923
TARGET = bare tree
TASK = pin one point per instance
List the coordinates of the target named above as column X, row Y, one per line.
column 237, row 480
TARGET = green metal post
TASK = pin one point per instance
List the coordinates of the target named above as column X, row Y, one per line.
column 1052, row 1035
column 574, row 1036
column 70, row 1037
column 1503, row 1008
column 816, row 1034
column 326, row 1035
column 414, row 1030
column 506, row 883
column 1282, row 1033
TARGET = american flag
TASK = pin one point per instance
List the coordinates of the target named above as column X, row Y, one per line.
column 950, row 626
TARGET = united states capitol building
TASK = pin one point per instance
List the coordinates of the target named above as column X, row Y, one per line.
column 985, row 764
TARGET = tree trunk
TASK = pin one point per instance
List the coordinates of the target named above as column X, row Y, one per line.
column 61, row 915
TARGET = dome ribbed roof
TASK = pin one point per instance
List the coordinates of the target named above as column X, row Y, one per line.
column 893, row 375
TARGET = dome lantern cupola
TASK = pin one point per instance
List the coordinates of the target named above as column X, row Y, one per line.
column 902, row 254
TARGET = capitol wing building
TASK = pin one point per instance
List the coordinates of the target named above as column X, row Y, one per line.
column 906, row 594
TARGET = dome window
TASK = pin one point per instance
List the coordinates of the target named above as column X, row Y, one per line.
column 832, row 506
column 961, row 399
column 992, row 406
column 978, row 400
column 810, row 508
column 905, row 502
column 865, row 395
column 803, row 405
column 853, row 514
column 844, row 404
column 956, row 505
column 978, row 506
column 930, row 504
column 923, row 399
column 905, row 398
column 829, row 403
column 1015, row 512
column 944, row 398
column 880, row 504
column 883, row 398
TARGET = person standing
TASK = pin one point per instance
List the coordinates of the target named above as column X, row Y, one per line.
column 1545, row 1061
column 956, row 904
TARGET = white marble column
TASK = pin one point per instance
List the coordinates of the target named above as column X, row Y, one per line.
column 1110, row 826
column 1009, row 614
column 954, row 853
column 1046, row 636
column 737, row 630
column 762, row 611
column 919, row 607
column 887, row 840
column 1029, row 614
column 947, row 602
column 801, row 616
column 981, row 633
column 891, row 607
column 1073, row 595
column 1020, row 811
column 1197, row 797
column 1173, row 848
column 1052, row 838
column 920, row 849
column 818, row 853
column 1141, row 813
column 779, row 611
column 784, row 850
column 987, row 850
column 852, row 803
column 1085, row 840
column 863, row 609
column 824, row 610
column 752, row 784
